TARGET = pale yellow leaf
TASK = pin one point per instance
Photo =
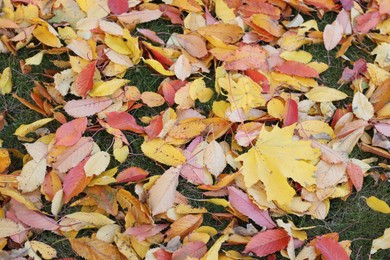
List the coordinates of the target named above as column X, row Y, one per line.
column 9, row 228
column 182, row 67
column 107, row 233
column 198, row 90
column 223, row 11
column 46, row 251
column 214, row 158
column 97, row 164
column 378, row 205
column 382, row 242
column 275, row 108
column 36, row 59
column 162, row 194
column 6, row 81
column 124, row 246
column 361, row 107
column 325, row 94
column 57, row 202
column 32, row 176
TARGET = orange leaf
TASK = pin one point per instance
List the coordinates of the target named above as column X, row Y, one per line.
column 70, row 133
column 295, row 68
column 84, row 81
column 123, row 121
column 75, row 181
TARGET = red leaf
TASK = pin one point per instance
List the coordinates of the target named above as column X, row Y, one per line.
column 84, row 81
column 193, row 250
column 295, row 68
column 355, row 173
column 337, row 115
column 123, row 121
column 75, row 181
column 144, row 231
column 32, row 218
column 290, row 113
column 70, row 133
column 240, row 201
column 131, row 174
column 331, row 249
column 168, row 92
column 268, row 242
column 161, row 254
column 118, row 6
column 259, row 78
column 155, row 127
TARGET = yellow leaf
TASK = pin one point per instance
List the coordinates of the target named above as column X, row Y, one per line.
column 157, row 66
column 45, row 35
column 89, row 248
column 23, row 130
column 117, row 44
column 198, row 90
column 57, row 202
column 123, row 244
column 315, row 129
column 276, row 157
column 120, row 151
column 275, row 108
column 91, row 218
column 301, row 56
column 213, row 251
column 97, row 163
column 140, row 247
column 207, row 229
column 36, row 59
column 5, row 160
column 382, row 242
column 378, row 205
column 164, row 153
column 18, row 197
column 243, row 92
column 228, row 33
column 104, row 178
column 325, row 94
column 223, row 11
column 46, row 251
column 107, row 88
column 6, row 81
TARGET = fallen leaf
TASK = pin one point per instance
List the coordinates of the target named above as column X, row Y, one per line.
column 162, row 152
column 378, row 205
column 268, row 242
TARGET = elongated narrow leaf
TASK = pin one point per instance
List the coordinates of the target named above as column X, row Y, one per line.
column 87, row 107
column 331, row 249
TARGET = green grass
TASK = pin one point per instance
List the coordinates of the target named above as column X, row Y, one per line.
column 352, row 218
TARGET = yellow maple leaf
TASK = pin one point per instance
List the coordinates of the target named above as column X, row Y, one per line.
column 242, row 92
column 276, row 157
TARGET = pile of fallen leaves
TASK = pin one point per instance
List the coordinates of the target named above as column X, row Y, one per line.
column 275, row 142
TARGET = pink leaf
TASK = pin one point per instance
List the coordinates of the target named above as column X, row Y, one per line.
column 332, row 35
column 355, row 173
column 268, row 242
column 87, row 107
column 173, row 13
column 123, row 121
column 331, row 249
column 144, row 16
column 73, row 155
column 84, row 81
column 75, row 181
column 347, row 4
column 240, row 201
column 193, row 44
column 290, row 113
column 364, row 23
column 151, row 35
column 70, row 133
column 118, row 6
column 131, row 174
column 295, row 68
column 383, row 128
column 144, row 231
column 32, row 218
column 191, row 250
